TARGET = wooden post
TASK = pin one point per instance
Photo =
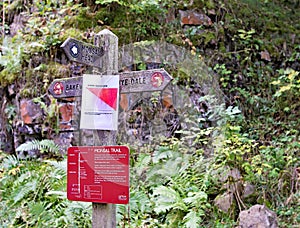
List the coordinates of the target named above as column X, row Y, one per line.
column 103, row 56
column 104, row 215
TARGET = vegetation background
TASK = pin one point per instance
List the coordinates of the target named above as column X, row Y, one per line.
column 252, row 45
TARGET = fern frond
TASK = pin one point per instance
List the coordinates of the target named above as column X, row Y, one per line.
column 196, row 198
column 142, row 162
column 43, row 146
column 58, row 194
column 23, row 190
column 10, row 161
column 59, row 165
column 192, row 220
column 166, row 198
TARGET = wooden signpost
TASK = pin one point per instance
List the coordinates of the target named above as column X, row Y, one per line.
column 103, row 56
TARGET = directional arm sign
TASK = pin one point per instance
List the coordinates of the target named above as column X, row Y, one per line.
column 66, row 87
column 130, row 82
column 83, row 52
column 144, row 81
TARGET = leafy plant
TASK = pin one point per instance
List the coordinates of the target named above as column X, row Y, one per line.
column 224, row 74
column 43, row 146
column 37, row 197
column 120, row 2
column 11, row 59
column 288, row 82
column 51, row 111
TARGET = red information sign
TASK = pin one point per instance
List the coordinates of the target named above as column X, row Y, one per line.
column 98, row 174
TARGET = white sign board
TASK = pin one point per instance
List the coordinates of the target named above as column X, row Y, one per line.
column 100, row 102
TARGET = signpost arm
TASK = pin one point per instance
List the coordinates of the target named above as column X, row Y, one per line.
column 104, row 215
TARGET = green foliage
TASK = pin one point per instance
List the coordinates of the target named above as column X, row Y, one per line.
column 44, row 32
column 134, row 20
column 37, row 196
column 265, row 166
column 51, row 121
column 102, row 2
column 224, row 73
column 43, row 146
column 236, row 149
column 288, row 82
column 173, row 184
column 11, row 60
column 170, row 186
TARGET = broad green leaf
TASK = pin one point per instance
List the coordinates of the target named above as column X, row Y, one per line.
column 192, row 220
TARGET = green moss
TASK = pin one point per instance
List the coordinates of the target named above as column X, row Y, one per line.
column 175, row 39
column 222, row 47
column 7, row 77
column 70, row 32
column 85, row 19
column 204, row 38
column 55, row 70
column 208, row 37
column 37, row 80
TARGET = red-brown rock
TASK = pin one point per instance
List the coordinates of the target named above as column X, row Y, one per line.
column 31, row 113
column 191, row 17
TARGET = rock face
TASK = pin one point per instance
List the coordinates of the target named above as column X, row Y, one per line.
column 258, row 216
column 225, row 202
column 191, row 17
column 31, row 112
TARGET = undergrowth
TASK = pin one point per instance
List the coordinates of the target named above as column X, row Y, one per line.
column 254, row 48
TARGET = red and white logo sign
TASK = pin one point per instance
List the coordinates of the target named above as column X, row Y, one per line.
column 100, row 101
column 107, row 96
column 58, row 88
column 157, row 79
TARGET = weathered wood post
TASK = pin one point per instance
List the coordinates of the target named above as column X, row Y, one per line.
column 104, row 215
column 87, row 179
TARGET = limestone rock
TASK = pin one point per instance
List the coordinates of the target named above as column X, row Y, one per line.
column 248, row 191
column 258, row 216
column 234, row 174
column 265, row 55
column 225, row 202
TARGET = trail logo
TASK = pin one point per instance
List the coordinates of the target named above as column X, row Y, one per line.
column 100, row 96
column 107, row 98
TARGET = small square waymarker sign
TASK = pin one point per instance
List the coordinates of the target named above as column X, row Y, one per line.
column 98, row 174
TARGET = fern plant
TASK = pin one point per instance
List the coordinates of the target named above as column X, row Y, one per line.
column 37, row 196
column 181, row 200
column 43, row 146
column 168, row 189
